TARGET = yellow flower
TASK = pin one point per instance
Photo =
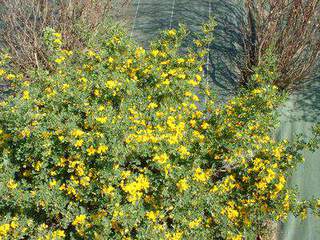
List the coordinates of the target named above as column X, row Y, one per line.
column 174, row 236
column 79, row 220
column 25, row 95
column 193, row 83
column 172, row 32
column 164, row 75
column 101, row 108
column 110, row 60
column 183, row 151
column 198, row 43
column 143, row 182
column 78, row 143
column 257, row 91
column 230, row 211
column 65, row 86
column 198, row 78
column 77, row 133
column 69, row 53
column 201, row 176
column 159, row 114
column 286, row 202
column 277, row 152
column 91, row 53
column 162, row 158
column 261, row 185
column 58, row 233
column 108, row 190
column 193, row 106
column 182, row 185
column 97, row 93
column 167, row 169
column 2, row 72
column 188, row 94
column 57, row 35
column 205, row 125
column 52, row 183
column 165, row 62
column 101, row 119
column 193, row 123
column 198, row 135
column 14, row 224
column 166, row 82
column 125, row 174
column 235, row 237
column 11, row 184
column 59, row 60
column 25, row 133
column 102, row 149
column 182, row 76
column 173, row 139
column 271, row 175
column 135, row 189
column 152, row 215
column 84, row 181
column 140, row 51
column 195, row 98
column 195, row 223
column 214, row 189
column 83, row 80
column 152, row 105
column 4, row 229
column 37, row 165
column 172, row 71
column 155, row 52
column 11, row 76
column 180, row 60
column 91, row 151
column 111, row 84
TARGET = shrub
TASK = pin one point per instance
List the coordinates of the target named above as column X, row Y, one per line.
column 23, row 21
column 292, row 28
column 120, row 142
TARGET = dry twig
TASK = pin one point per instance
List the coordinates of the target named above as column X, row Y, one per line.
column 292, row 28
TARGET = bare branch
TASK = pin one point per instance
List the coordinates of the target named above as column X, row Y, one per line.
column 292, row 27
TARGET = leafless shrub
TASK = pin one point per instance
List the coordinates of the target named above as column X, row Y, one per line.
column 292, row 29
column 24, row 20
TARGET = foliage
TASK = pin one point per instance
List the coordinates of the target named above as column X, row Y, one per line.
column 120, row 142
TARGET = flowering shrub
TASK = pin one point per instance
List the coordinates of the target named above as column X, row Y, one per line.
column 120, row 142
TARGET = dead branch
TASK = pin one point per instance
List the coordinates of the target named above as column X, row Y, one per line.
column 292, row 28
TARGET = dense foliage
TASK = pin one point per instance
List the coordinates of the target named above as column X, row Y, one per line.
column 120, row 142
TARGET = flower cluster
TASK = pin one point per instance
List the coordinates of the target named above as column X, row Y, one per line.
column 117, row 142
